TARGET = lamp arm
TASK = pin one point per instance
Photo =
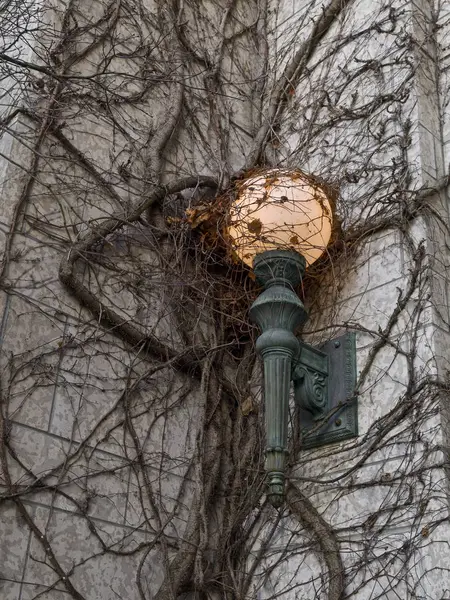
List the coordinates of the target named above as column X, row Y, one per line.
column 278, row 311
column 278, row 348
column 324, row 379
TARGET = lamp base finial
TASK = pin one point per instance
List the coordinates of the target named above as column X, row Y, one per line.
column 275, row 484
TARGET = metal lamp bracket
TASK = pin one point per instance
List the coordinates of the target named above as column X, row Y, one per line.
column 324, row 377
column 324, row 383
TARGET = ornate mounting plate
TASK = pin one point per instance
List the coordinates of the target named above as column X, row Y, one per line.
column 324, row 384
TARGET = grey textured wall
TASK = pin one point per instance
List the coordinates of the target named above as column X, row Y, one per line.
column 102, row 480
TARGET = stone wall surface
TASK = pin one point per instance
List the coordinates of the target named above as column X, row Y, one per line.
column 110, row 445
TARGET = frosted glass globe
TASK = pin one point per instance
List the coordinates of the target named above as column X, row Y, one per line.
column 280, row 210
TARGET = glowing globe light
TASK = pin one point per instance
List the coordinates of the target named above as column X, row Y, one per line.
column 280, row 209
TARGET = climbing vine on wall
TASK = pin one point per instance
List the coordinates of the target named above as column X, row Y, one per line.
column 131, row 439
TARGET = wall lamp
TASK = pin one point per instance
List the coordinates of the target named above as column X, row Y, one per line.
column 280, row 223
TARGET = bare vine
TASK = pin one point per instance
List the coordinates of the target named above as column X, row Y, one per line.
column 131, row 422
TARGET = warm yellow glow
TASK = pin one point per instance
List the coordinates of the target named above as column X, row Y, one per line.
column 280, row 210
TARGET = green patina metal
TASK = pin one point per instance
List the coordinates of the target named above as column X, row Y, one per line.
column 324, row 390
column 278, row 312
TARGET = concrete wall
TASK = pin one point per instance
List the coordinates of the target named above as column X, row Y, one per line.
column 89, row 513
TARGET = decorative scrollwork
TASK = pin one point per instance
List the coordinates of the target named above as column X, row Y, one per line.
column 283, row 265
column 311, row 391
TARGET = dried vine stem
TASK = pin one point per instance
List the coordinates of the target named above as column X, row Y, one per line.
column 291, row 76
column 186, row 360
column 323, row 535
column 64, row 577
